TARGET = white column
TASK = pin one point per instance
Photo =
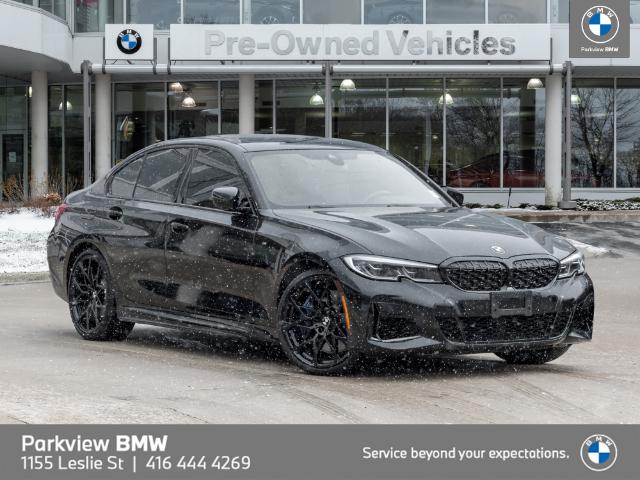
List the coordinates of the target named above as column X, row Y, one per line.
column 39, row 133
column 553, row 140
column 103, row 124
column 247, row 94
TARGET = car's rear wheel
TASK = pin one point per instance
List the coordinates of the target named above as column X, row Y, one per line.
column 92, row 300
column 314, row 324
column 533, row 357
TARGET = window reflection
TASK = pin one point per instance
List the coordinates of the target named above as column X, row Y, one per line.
column 294, row 112
column 229, row 100
column 473, row 132
column 559, row 11
column 161, row 13
column 139, row 117
column 272, row 11
column 455, row 11
column 211, row 11
column 360, row 114
column 415, row 123
column 193, row 109
column 523, row 130
column 92, row 15
column 592, row 104
column 264, row 106
column 628, row 133
column 392, row 11
column 332, row 11
column 517, row 11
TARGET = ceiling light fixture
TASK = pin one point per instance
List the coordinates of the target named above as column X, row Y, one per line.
column 176, row 87
column 534, row 84
column 347, row 85
column 188, row 101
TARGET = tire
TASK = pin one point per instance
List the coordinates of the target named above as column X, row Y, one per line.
column 92, row 299
column 533, row 357
column 312, row 325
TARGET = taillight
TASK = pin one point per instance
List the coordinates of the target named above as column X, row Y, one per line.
column 60, row 210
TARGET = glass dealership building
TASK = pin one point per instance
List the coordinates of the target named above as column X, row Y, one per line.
column 484, row 131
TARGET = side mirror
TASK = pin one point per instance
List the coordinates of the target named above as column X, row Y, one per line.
column 225, row 198
column 455, row 194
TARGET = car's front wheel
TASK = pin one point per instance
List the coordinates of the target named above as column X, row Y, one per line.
column 92, row 299
column 314, row 324
column 533, row 357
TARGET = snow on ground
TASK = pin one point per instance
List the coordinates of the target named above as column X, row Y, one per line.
column 588, row 250
column 23, row 241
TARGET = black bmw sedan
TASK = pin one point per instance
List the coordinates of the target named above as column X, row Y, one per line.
column 336, row 250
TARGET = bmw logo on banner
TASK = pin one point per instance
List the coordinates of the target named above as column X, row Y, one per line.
column 599, row 453
column 599, row 28
column 129, row 41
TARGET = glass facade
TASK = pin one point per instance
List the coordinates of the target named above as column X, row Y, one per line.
column 92, row 15
column 14, row 137
column 264, row 106
column 295, row 113
column 393, row 11
column 161, row 13
column 517, row 11
column 416, row 123
column 455, row 11
column 523, row 121
column 192, row 109
column 628, row 133
column 473, row 132
column 139, row 117
column 361, row 114
column 271, row 11
column 592, row 124
column 211, row 11
column 332, row 11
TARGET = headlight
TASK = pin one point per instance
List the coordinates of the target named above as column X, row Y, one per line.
column 391, row 269
column 573, row 264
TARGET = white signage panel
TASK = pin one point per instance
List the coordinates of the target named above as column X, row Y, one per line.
column 128, row 42
column 361, row 42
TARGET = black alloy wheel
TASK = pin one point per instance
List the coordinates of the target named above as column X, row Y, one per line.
column 314, row 324
column 92, row 301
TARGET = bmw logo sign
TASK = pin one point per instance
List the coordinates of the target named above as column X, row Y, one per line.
column 599, row 453
column 129, row 41
column 498, row 250
column 600, row 24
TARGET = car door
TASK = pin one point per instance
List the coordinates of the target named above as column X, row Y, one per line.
column 136, row 246
column 209, row 250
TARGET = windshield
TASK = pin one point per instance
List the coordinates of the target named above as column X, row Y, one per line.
column 327, row 178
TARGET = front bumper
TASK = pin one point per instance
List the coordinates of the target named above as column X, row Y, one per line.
column 440, row 318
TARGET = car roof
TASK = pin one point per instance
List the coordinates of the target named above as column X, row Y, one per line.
column 265, row 142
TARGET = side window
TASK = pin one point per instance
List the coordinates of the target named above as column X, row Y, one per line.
column 124, row 182
column 210, row 169
column 160, row 175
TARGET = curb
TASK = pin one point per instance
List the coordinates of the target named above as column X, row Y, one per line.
column 23, row 277
column 583, row 216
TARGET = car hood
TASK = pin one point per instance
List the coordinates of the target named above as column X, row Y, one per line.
column 430, row 234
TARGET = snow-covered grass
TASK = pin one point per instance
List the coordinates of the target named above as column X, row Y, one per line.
column 23, row 241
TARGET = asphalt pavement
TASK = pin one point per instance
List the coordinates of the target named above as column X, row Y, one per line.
column 48, row 374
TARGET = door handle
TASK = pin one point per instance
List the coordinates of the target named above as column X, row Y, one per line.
column 115, row 213
column 179, row 227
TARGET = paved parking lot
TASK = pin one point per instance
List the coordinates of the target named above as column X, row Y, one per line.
column 49, row 374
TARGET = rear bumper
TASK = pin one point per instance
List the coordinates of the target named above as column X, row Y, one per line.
column 438, row 318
